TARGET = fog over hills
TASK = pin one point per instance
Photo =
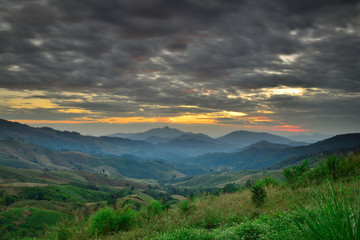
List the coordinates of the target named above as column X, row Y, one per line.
column 265, row 154
column 246, row 138
column 309, row 138
column 164, row 132
column 23, row 155
column 54, row 139
column 237, row 150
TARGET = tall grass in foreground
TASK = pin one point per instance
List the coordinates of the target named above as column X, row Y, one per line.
column 332, row 216
column 331, row 212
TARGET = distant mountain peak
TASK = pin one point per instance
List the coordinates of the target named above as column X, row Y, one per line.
column 243, row 138
column 162, row 132
column 263, row 144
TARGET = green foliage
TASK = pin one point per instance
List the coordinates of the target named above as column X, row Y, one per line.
column 42, row 193
column 250, row 231
column 211, row 180
column 267, row 181
column 69, row 228
column 155, row 208
column 7, row 200
column 294, row 174
column 26, row 222
column 85, row 186
column 186, row 234
column 107, row 221
column 186, row 205
column 153, row 193
column 335, row 167
column 226, row 216
column 332, row 217
column 330, row 167
column 258, row 194
column 265, row 227
column 230, row 188
column 211, row 219
column 39, row 217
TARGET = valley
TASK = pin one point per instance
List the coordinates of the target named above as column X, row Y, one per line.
column 50, row 177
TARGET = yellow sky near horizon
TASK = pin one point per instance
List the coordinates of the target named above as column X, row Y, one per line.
column 262, row 119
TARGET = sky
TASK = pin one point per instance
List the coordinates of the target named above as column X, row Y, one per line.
column 213, row 66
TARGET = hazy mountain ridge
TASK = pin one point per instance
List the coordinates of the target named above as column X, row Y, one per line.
column 23, row 155
column 264, row 154
column 340, row 143
column 54, row 139
column 165, row 132
column 236, row 138
column 168, row 143
column 188, row 144
column 310, row 138
column 246, row 138
column 196, row 149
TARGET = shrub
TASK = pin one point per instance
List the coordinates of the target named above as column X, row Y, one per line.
column 230, row 188
column 293, row 175
column 68, row 228
column 108, row 221
column 7, row 200
column 212, row 219
column 335, row 167
column 186, row 233
column 249, row 231
column 332, row 217
column 186, row 206
column 155, row 208
column 269, row 181
column 258, row 194
column 42, row 193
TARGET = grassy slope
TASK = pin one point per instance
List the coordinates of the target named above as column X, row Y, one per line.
column 23, row 155
column 24, row 221
column 13, row 175
column 228, row 216
column 219, row 180
column 234, row 216
column 78, row 190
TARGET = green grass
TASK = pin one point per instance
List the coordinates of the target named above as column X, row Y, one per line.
column 233, row 215
column 211, row 180
column 21, row 175
column 26, row 222
column 320, row 210
column 39, row 217
column 64, row 207
column 331, row 216
column 107, row 221
column 219, row 180
column 70, row 176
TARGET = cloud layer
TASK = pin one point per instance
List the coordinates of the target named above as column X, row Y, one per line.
column 270, row 63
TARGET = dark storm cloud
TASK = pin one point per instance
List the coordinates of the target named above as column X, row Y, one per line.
column 37, row 113
column 172, row 52
column 101, row 106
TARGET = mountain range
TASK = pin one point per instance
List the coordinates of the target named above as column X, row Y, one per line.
column 167, row 143
column 20, row 154
column 61, row 140
column 264, row 154
column 312, row 138
column 185, row 153
column 165, row 133
column 171, row 142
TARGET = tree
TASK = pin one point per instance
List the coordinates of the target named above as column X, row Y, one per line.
column 258, row 194
column 7, row 200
